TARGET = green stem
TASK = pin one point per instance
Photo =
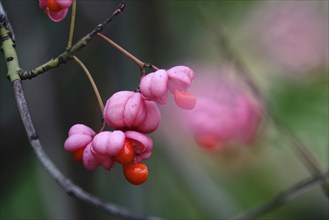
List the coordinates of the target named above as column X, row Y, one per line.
column 8, row 48
column 74, row 9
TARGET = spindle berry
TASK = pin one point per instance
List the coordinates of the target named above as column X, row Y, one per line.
column 135, row 173
column 126, row 154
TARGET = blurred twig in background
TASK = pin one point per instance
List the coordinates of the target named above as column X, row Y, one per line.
column 302, row 152
column 284, row 197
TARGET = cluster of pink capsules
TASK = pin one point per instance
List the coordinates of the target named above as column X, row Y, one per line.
column 133, row 115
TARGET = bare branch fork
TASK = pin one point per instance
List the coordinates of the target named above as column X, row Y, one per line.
column 14, row 72
column 66, row 55
column 284, row 197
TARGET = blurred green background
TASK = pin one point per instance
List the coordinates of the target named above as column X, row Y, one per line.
column 185, row 182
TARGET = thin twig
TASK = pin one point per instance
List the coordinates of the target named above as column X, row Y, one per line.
column 284, row 197
column 92, row 82
column 126, row 53
column 140, row 63
column 66, row 55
